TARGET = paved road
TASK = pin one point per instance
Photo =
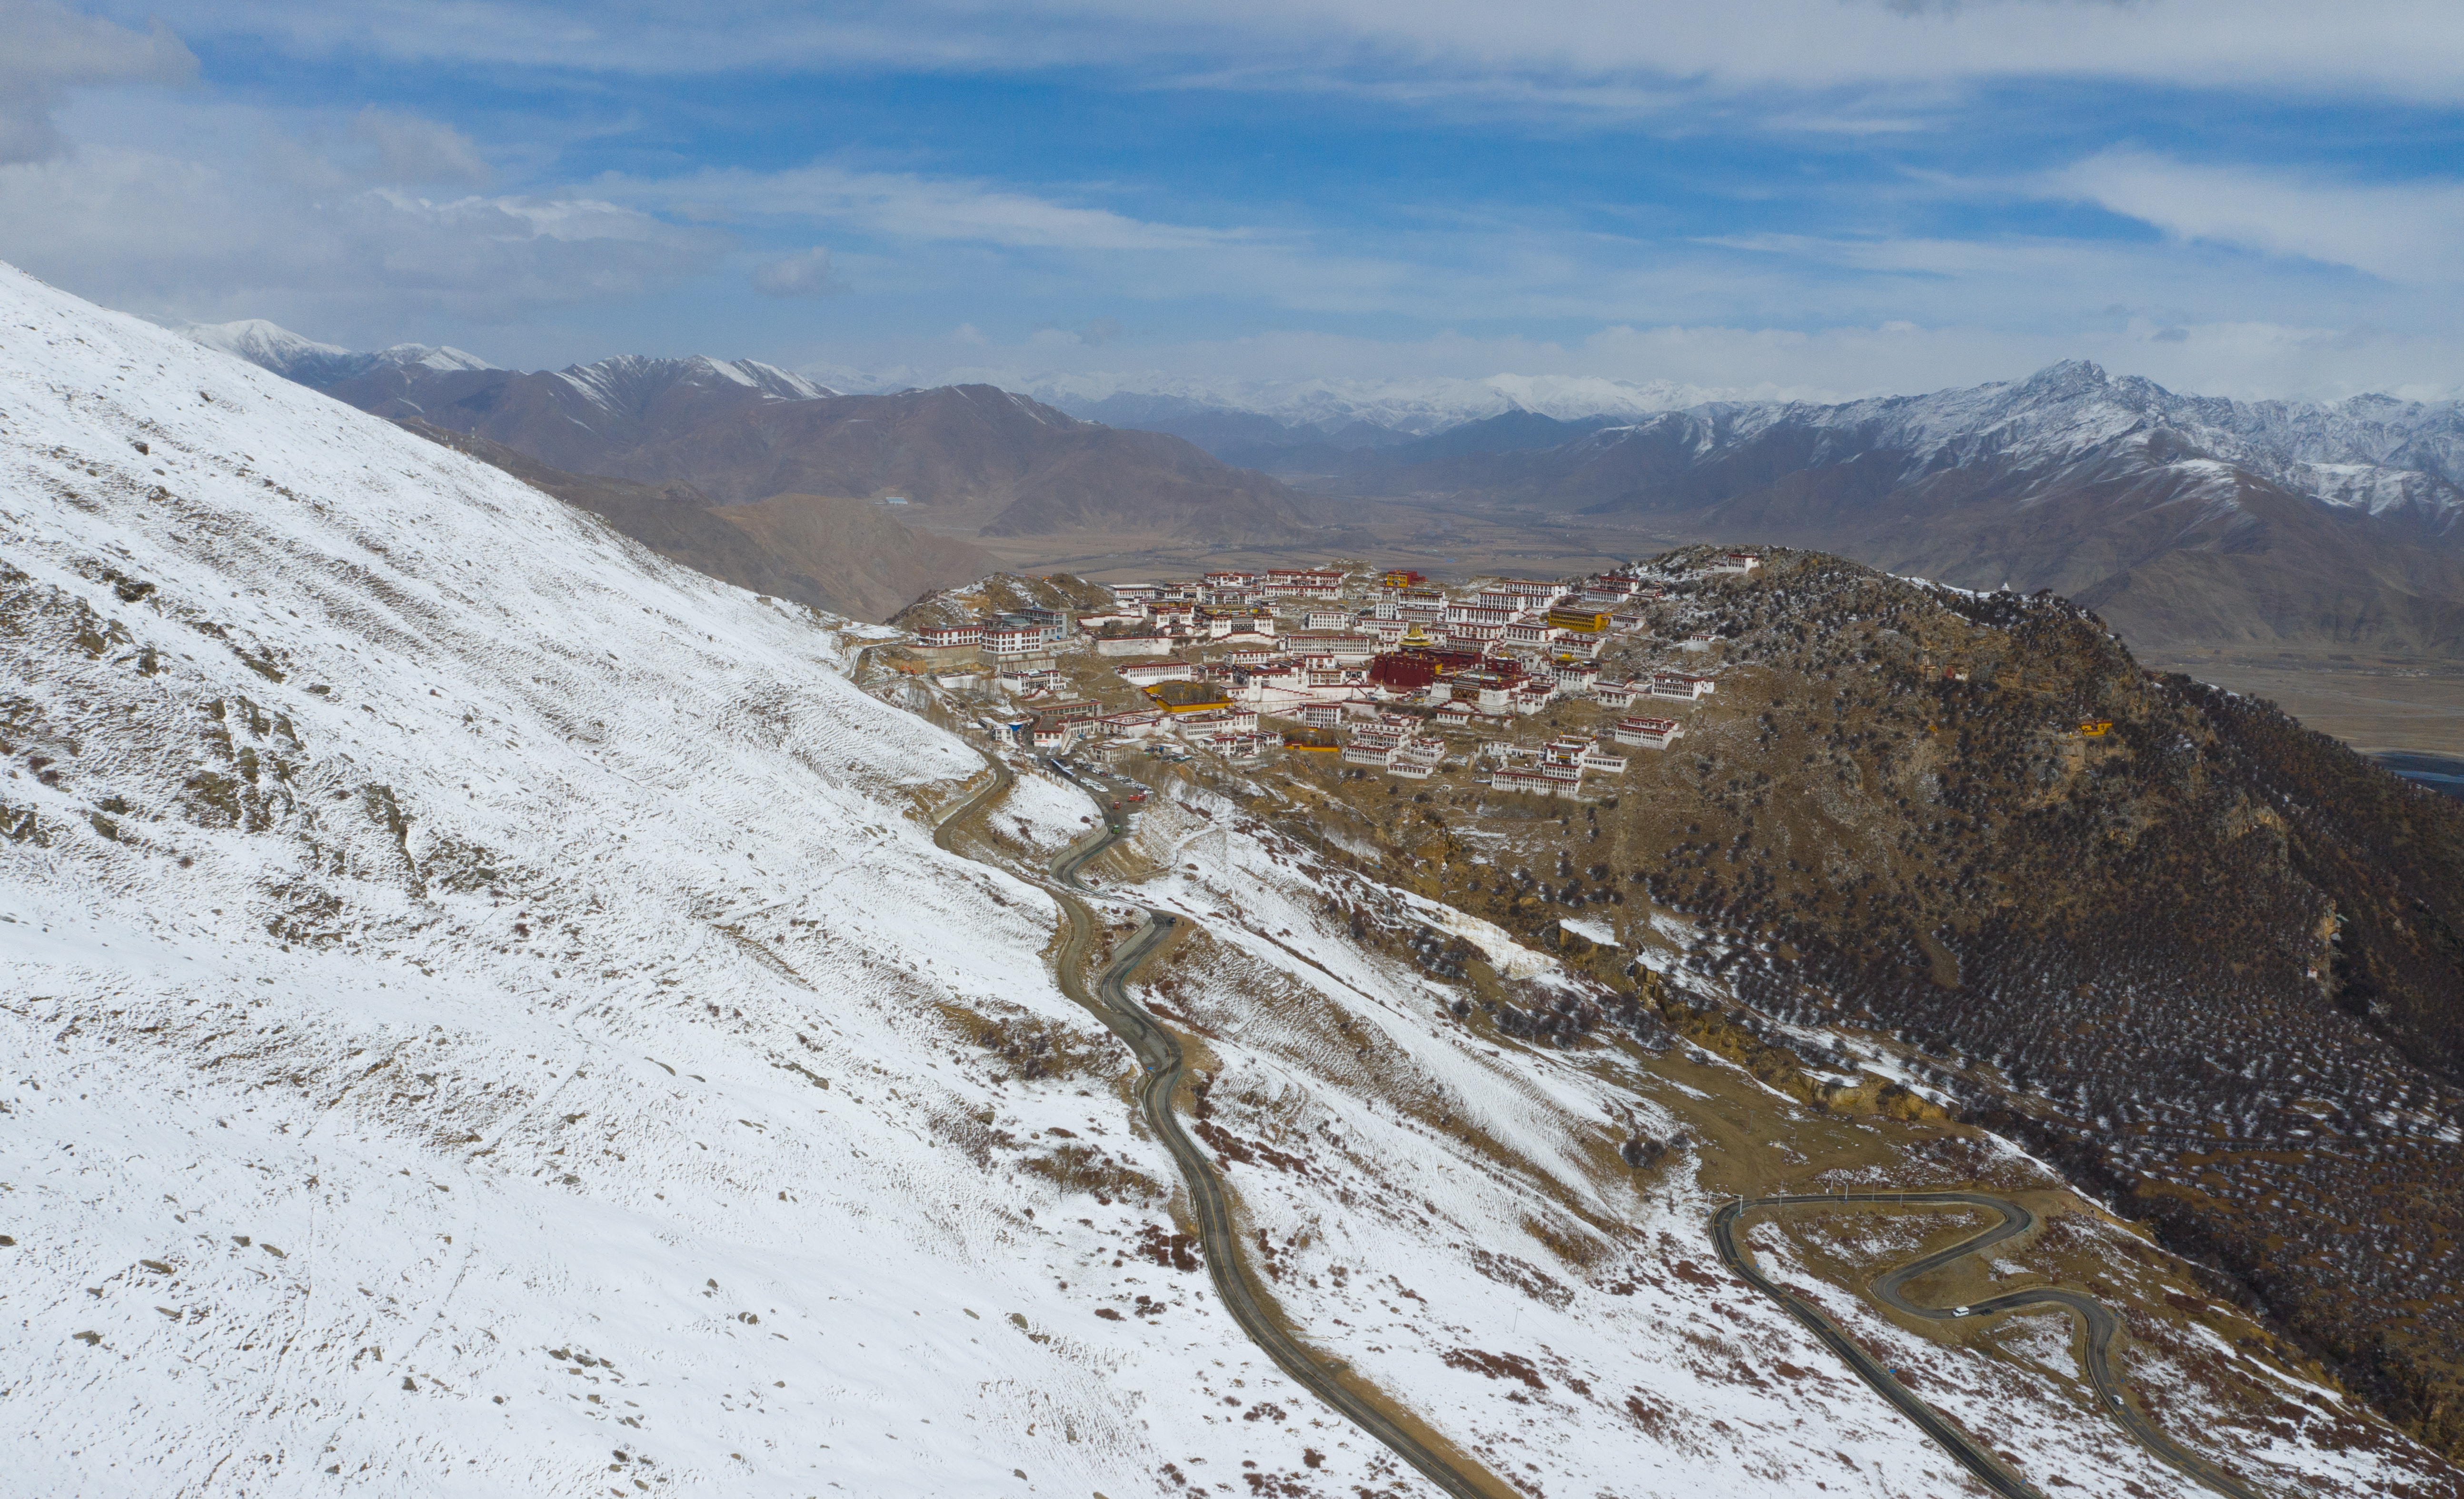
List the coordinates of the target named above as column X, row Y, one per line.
column 1159, row 1058
column 2104, row 1339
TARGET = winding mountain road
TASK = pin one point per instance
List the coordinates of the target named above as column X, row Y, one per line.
column 2103, row 1329
column 1159, row 1060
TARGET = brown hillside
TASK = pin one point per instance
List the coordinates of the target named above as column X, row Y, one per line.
column 846, row 556
column 975, row 457
column 575, row 419
column 854, row 550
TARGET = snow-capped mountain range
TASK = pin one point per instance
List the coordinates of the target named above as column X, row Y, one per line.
column 618, row 384
column 2373, row 452
column 2189, row 520
column 572, row 418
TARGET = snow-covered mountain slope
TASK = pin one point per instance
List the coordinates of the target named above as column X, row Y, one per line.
column 482, row 1019
column 272, row 347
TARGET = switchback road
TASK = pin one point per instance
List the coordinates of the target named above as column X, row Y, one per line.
column 1159, row 1060
column 2102, row 1342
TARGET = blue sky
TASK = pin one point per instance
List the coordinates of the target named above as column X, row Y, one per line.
column 1815, row 197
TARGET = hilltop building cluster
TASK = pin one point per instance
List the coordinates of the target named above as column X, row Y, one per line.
column 1376, row 669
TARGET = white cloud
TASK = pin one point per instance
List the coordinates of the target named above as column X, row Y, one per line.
column 411, row 149
column 203, row 242
column 47, row 48
column 906, row 205
column 917, row 237
column 942, row 231
column 803, row 273
column 2406, row 232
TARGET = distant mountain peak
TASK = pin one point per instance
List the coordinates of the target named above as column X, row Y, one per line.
column 2067, row 376
column 625, row 380
column 430, row 356
column 270, row 345
column 251, row 337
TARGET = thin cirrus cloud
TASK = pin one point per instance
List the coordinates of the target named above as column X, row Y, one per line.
column 2407, row 233
column 1441, row 48
column 806, row 273
column 411, row 149
column 2380, row 47
column 925, row 227
column 1132, row 256
column 910, row 205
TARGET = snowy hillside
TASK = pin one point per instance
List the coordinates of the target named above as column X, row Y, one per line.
column 485, row 1013
column 480, row 1015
